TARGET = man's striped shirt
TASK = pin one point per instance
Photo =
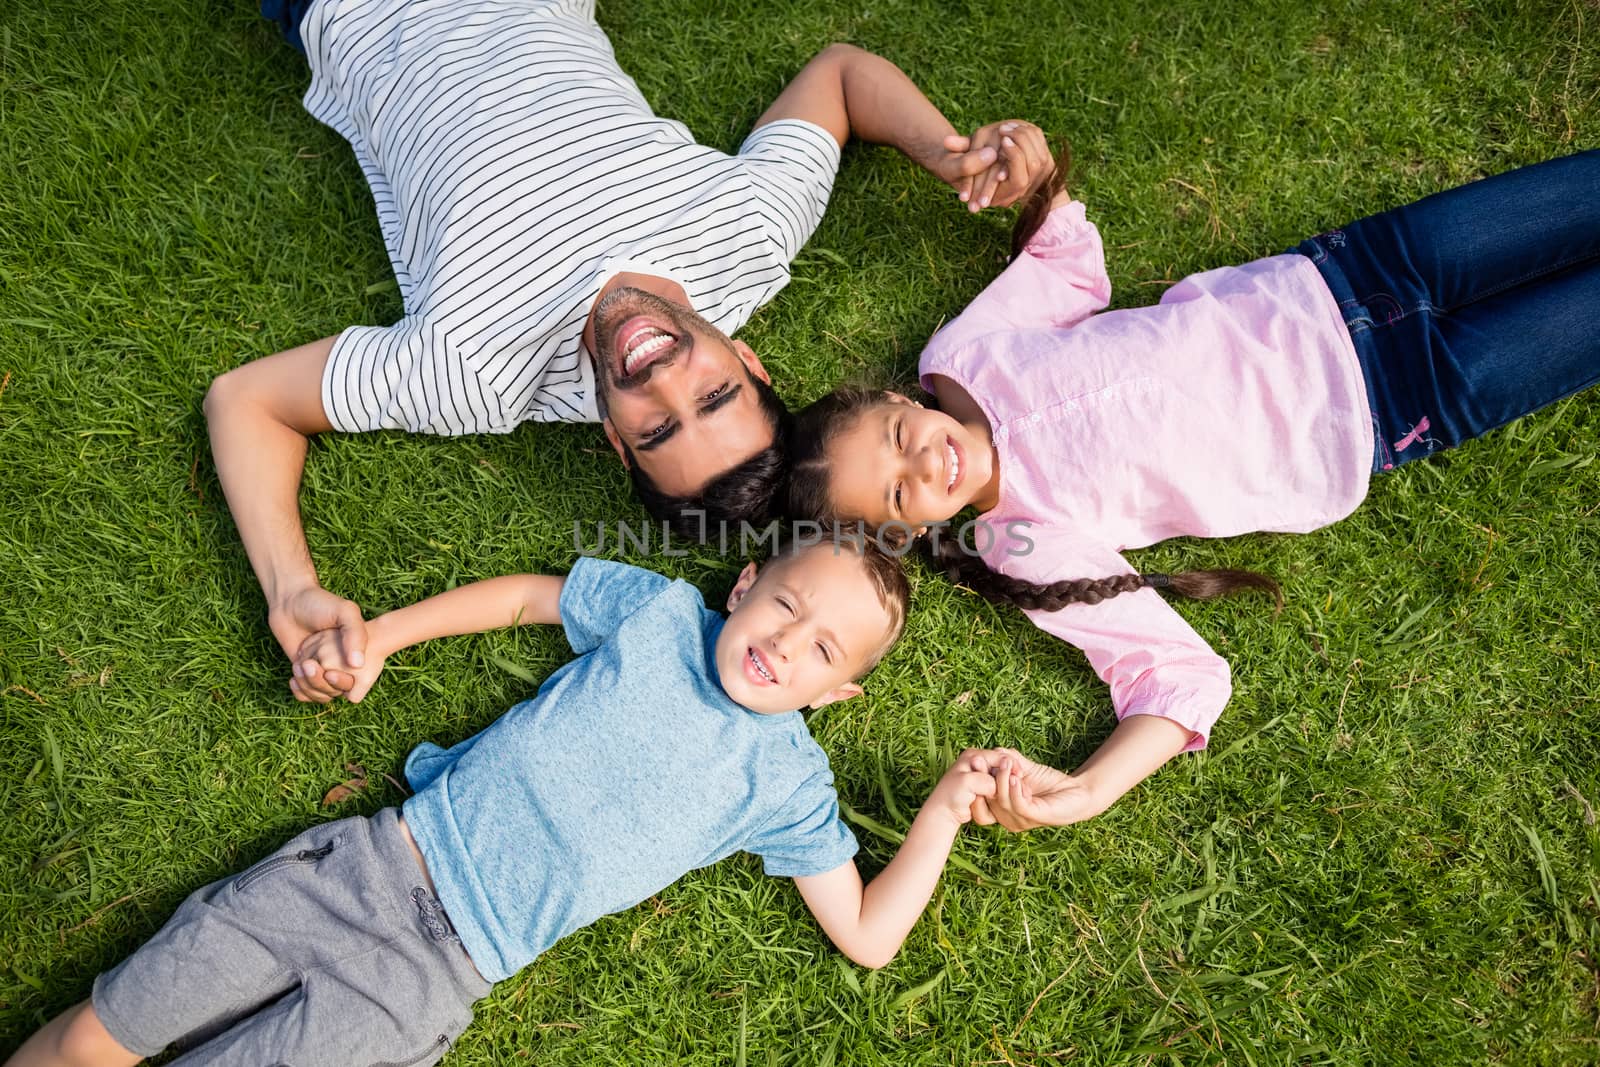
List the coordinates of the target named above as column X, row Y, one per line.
column 510, row 158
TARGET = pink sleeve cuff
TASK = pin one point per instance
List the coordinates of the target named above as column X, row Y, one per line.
column 1196, row 706
column 1062, row 226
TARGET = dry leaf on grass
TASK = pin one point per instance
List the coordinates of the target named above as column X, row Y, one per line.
column 348, row 788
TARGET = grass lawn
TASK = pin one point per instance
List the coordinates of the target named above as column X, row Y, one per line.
column 1390, row 852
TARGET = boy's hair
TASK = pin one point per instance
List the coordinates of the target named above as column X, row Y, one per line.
column 807, row 495
column 887, row 574
column 745, row 492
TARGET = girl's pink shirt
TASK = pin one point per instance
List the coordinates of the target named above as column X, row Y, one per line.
column 1235, row 404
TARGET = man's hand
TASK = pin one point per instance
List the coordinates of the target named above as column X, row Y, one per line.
column 321, row 655
column 305, row 612
column 998, row 165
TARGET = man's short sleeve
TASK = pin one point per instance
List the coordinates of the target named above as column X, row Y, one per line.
column 405, row 377
column 807, row 836
column 791, row 164
column 598, row 594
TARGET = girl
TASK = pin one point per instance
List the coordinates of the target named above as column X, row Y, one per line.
column 1259, row 397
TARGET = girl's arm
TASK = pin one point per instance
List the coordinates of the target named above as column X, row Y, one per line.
column 869, row 922
column 1136, row 749
column 1055, row 282
column 515, row 600
column 1029, row 795
column 1167, row 685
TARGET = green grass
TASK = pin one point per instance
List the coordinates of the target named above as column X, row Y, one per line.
column 1388, row 854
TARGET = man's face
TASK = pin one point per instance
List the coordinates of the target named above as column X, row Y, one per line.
column 800, row 630
column 675, row 391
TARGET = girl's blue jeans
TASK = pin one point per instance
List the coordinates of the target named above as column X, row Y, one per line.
column 287, row 14
column 1472, row 307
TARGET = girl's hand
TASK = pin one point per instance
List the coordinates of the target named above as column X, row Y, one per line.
column 1021, row 160
column 1029, row 795
column 957, row 791
column 322, row 652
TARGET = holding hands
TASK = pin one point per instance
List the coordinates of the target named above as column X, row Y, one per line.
column 998, row 165
column 311, row 613
column 1027, row 795
column 321, row 667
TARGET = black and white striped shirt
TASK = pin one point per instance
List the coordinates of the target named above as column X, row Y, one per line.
column 510, row 158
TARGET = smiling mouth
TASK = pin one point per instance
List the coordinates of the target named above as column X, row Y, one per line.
column 641, row 343
column 953, row 464
column 759, row 666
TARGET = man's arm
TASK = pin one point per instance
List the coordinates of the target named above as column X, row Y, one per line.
column 870, row 922
column 260, row 416
column 851, row 92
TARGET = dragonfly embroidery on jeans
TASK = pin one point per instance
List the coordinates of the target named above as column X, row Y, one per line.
column 1418, row 433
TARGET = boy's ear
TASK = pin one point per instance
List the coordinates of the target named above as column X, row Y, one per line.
column 833, row 696
column 747, row 578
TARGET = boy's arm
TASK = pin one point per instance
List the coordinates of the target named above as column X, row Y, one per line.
column 514, row 600
column 852, row 92
column 869, row 922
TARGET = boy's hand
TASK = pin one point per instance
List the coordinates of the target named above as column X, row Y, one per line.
column 308, row 611
column 981, row 760
column 1020, row 159
column 957, row 790
column 321, row 653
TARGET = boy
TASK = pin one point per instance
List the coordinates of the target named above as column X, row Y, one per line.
column 669, row 743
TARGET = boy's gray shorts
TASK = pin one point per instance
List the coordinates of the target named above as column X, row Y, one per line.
column 330, row 951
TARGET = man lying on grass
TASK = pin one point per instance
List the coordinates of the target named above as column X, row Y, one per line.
column 670, row 742
column 562, row 254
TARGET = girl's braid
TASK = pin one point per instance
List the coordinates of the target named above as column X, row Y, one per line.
column 968, row 570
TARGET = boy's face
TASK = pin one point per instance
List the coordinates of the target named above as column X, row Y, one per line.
column 798, row 632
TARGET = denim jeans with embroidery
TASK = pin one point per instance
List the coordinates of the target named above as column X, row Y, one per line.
column 1472, row 307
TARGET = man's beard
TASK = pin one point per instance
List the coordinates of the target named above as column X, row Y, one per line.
column 614, row 309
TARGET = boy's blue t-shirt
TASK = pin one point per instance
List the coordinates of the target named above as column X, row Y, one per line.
column 629, row 768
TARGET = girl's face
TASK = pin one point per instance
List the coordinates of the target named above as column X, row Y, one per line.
column 901, row 462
